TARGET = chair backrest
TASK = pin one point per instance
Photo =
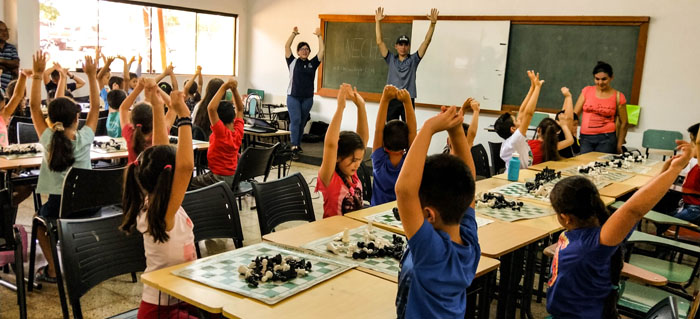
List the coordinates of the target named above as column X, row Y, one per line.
column 660, row 139
column 81, row 123
column 7, row 219
column 198, row 134
column 537, row 118
column 214, row 213
column 283, row 200
column 496, row 161
column 94, row 250
column 103, row 113
column 254, row 162
column 253, row 104
column 12, row 127
column 26, row 133
column 101, row 129
column 667, row 308
column 364, row 173
column 87, row 190
column 481, row 161
column 260, row 93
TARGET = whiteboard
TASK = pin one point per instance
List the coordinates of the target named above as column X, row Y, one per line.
column 464, row 59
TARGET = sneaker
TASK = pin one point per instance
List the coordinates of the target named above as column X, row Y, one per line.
column 299, row 149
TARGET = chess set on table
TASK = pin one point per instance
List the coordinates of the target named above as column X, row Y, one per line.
column 17, row 151
column 390, row 218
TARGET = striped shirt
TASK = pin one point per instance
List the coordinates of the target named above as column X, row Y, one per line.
column 8, row 52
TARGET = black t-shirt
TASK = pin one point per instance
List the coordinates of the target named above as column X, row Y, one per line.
column 302, row 74
column 52, row 86
column 570, row 151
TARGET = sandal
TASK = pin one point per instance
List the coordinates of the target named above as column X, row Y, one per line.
column 41, row 275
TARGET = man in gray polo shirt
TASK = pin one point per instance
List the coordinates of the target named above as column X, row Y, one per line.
column 402, row 65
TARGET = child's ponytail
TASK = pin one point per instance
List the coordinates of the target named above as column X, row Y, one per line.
column 550, row 135
column 132, row 198
column 158, row 205
column 63, row 112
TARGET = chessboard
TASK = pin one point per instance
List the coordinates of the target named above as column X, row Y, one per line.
column 387, row 218
column 527, row 211
column 221, row 271
column 647, row 162
column 609, row 176
column 387, row 264
column 111, row 145
column 18, row 151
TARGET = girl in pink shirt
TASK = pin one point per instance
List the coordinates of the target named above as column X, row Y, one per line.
column 154, row 187
column 601, row 105
column 342, row 155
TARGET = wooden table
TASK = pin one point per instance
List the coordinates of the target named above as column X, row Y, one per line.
column 252, row 138
column 352, row 294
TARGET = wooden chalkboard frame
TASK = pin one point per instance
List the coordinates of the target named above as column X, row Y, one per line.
column 641, row 21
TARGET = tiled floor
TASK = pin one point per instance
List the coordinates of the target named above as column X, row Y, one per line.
column 120, row 294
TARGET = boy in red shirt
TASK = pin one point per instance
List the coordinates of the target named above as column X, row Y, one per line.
column 225, row 139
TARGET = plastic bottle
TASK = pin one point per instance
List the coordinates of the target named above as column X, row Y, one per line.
column 514, row 168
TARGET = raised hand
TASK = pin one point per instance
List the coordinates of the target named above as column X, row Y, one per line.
column 389, row 92
column 198, row 70
column 448, row 118
column 565, row 91
column 680, row 161
column 379, row 14
column 356, row 97
column 403, row 95
column 133, row 58
column 475, row 105
column 177, row 99
column 295, row 30
column 140, row 58
column 39, row 62
column 433, row 15
column 344, row 91
column 232, row 83
column 317, row 32
column 149, row 83
column 121, row 57
column 90, row 67
column 531, row 76
column 109, row 59
column 169, row 69
column 26, row 73
column 538, row 82
column 140, row 84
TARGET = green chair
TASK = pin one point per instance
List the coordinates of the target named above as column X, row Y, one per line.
column 661, row 140
column 537, row 118
column 260, row 93
column 636, row 300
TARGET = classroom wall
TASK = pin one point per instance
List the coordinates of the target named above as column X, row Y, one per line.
column 669, row 85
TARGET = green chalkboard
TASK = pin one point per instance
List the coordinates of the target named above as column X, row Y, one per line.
column 565, row 56
column 352, row 55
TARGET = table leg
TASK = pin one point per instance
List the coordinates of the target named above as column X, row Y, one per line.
column 504, row 292
column 528, row 281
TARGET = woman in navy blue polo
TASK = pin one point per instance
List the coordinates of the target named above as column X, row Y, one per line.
column 300, row 92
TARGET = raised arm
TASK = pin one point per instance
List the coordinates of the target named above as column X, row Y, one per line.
column 214, row 103
column 622, row 130
column 173, row 82
column 321, row 48
column 62, row 79
column 614, row 231
column 17, row 95
column 78, row 81
column 388, row 94
column 411, row 175
column 108, row 61
column 189, row 83
column 405, row 97
column 461, row 144
column 38, row 66
column 125, row 75
column 200, row 81
column 237, row 100
column 185, row 160
column 330, row 144
column 474, row 124
column 168, row 71
column 90, row 68
column 429, row 35
column 362, row 128
column 566, row 120
column 697, row 143
column 124, row 109
column 378, row 16
column 47, row 74
column 288, row 44
column 152, row 92
column 578, row 108
column 526, row 115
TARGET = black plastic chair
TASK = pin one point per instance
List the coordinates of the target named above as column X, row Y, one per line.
column 101, row 129
column 12, row 127
column 214, row 213
column 254, row 162
column 664, row 309
column 281, row 201
column 13, row 249
column 79, row 200
column 94, row 250
column 26, row 133
column 498, row 165
column 201, row 163
column 481, row 161
column 364, row 173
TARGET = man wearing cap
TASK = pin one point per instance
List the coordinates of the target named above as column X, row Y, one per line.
column 403, row 64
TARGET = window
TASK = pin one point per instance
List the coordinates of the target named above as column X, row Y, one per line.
column 160, row 35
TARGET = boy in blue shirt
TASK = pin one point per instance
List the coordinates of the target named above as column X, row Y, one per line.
column 391, row 141
column 435, row 197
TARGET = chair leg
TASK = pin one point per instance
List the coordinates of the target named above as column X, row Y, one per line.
column 133, row 277
column 59, row 273
column 32, row 256
column 19, row 279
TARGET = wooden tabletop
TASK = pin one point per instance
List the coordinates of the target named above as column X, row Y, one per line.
column 352, row 294
column 271, row 134
column 306, row 233
column 363, row 213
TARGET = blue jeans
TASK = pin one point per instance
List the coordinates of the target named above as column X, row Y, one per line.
column 686, row 212
column 299, row 109
column 606, row 143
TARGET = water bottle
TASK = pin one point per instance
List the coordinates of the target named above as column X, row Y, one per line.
column 514, row 167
